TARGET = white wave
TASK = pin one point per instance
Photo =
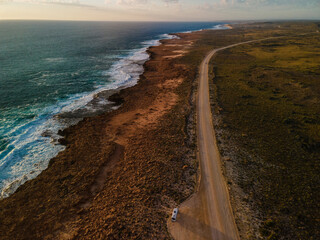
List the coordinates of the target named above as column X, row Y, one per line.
column 55, row 60
column 215, row 27
column 220, row 27
column 28, row 155
column 152, row 42
column 29, row 151
column 169, row 36
column 127, row 71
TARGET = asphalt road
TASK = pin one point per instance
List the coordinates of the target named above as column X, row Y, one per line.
column 208, row 213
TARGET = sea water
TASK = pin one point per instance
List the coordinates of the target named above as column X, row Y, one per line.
column 49, row 68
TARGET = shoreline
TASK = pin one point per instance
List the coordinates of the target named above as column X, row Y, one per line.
column 65, row 119
column 123, row 172
column 87, row 104
column 72, row 178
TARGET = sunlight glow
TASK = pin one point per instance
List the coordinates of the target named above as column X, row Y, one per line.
column 159, row 10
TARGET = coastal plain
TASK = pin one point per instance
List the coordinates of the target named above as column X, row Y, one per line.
column 123, row 172
column 266, row 108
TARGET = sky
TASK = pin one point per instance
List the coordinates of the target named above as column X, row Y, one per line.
column 159, row 10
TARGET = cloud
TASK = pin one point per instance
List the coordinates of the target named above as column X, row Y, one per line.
column 245, row 4
column 132, row 2
column 170, row 1
column 248, row 5
column 58, row 2
column 140, row 2
column 44, row 1
column 271, row 2
column 205, row 6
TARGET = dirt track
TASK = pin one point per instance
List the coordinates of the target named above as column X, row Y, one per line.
column 208, row 213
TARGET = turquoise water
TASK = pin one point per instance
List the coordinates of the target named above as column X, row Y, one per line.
column 49, row 68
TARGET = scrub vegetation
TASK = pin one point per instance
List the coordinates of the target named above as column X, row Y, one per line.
column 123, row 172
column 266, row 102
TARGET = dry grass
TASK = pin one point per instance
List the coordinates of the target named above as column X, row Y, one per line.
column 267, row 102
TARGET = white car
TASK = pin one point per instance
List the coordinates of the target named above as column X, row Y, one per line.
column 174, row 214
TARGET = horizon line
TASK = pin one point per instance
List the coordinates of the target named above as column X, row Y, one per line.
column 235, row 20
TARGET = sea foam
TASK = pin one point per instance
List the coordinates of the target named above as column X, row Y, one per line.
column 34, row 143
column 31, row 145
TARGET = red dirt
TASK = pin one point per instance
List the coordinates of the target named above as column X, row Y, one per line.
column 121, row 172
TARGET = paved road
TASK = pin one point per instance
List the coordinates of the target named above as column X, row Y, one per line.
column 208, row 213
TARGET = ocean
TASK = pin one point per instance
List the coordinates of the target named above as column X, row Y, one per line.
column 55, row 68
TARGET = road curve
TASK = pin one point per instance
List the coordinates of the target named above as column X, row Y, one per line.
column 208, row 213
